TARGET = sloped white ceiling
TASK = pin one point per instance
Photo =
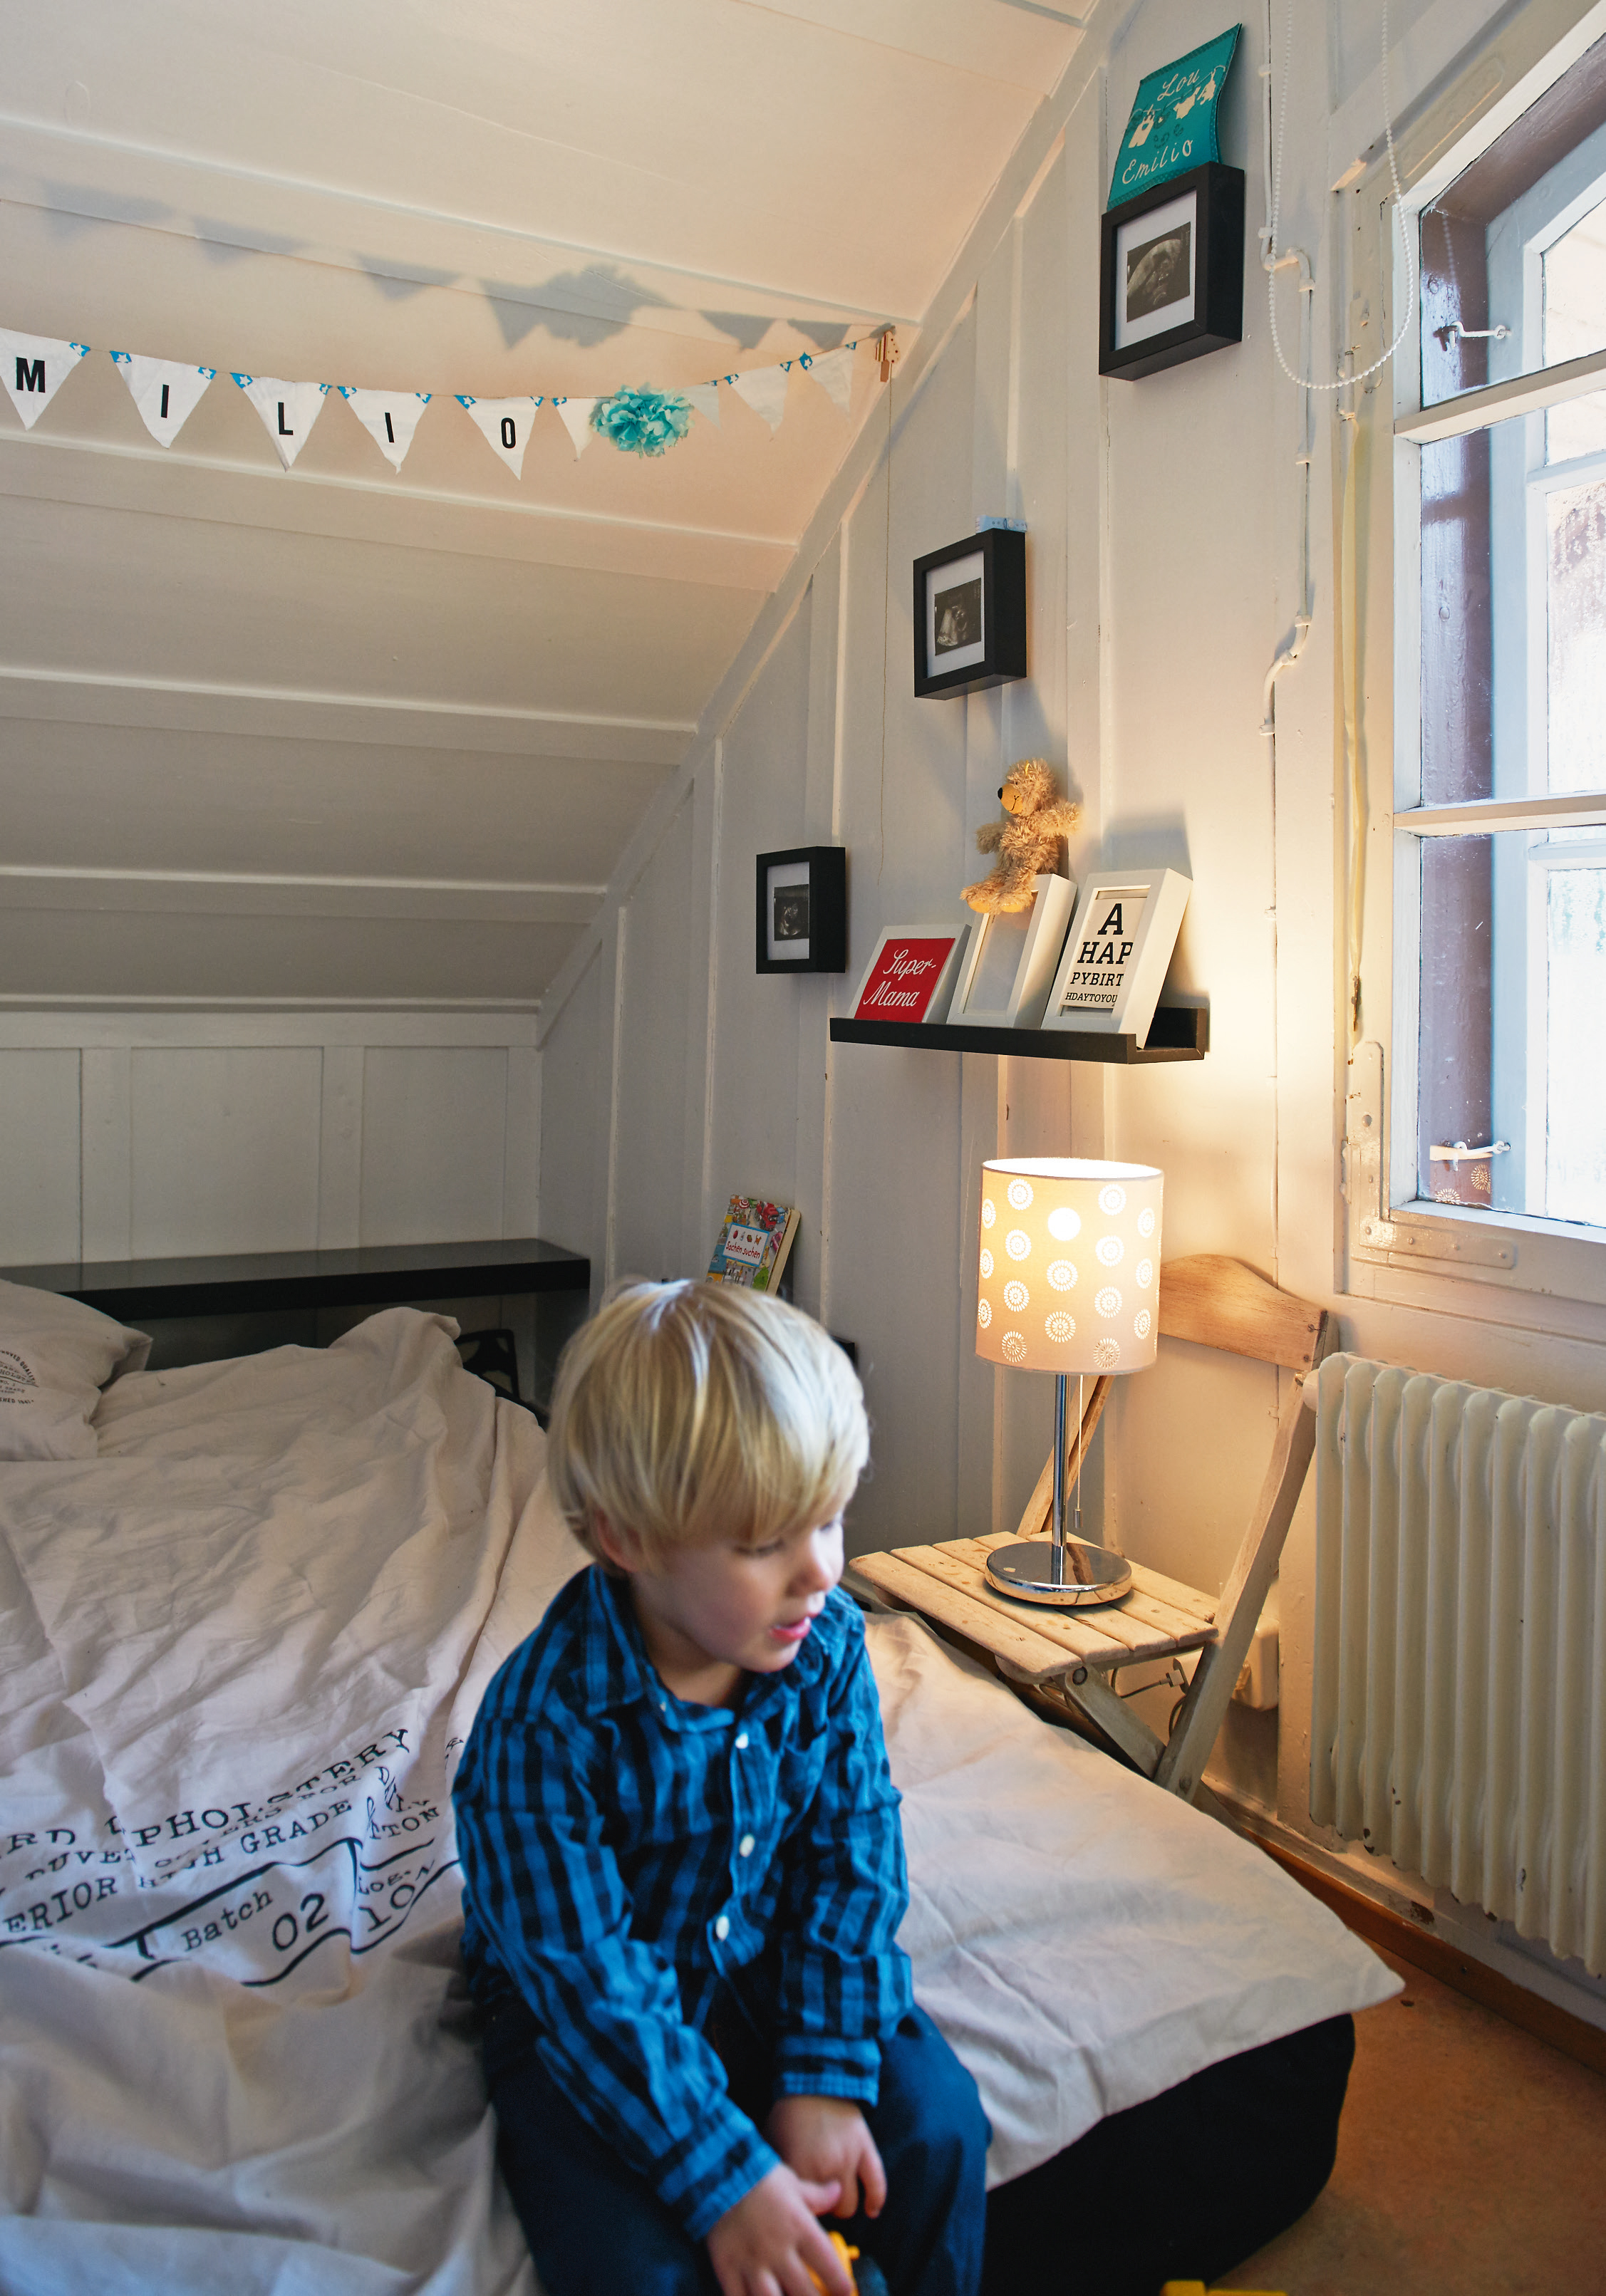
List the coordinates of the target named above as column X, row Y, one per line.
column 339, row 733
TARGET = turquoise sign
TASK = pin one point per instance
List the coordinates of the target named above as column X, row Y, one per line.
column 1173, row 123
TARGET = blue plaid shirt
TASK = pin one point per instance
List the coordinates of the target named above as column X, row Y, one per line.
column 624, row 1854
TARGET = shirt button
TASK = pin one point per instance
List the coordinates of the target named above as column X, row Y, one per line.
column 746, row 1846
column 741, row 1742
column 722, row 1927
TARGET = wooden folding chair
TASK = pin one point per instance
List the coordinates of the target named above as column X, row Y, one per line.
column 1218, row 1303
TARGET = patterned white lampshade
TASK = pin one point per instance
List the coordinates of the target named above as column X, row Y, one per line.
column 1070, row 1265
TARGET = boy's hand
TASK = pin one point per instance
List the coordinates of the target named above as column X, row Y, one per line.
column 770, row 2243
column 825, row 2138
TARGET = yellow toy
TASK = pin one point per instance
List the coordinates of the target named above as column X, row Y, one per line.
column 868, row 2281
column 1197, row 2288
column 1026, row 841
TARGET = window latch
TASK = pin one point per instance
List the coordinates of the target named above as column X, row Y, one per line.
column 1473, row 335
column 1458, row 1152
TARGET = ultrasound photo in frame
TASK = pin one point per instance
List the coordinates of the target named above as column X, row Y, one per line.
column 802, row 910
column 1171, row 273
column 970, row 614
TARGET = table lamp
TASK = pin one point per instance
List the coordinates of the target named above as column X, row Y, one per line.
column 1069, row 1281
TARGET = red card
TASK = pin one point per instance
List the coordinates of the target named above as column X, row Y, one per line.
column 904, row 978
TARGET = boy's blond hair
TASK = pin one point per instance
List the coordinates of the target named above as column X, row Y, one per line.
column 685, row 1413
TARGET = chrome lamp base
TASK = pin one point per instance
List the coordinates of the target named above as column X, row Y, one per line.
column 1036, row 1571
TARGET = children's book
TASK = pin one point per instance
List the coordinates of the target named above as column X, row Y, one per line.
column 753, row 1244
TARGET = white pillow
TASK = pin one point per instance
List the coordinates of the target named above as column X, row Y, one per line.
column 56, row 1356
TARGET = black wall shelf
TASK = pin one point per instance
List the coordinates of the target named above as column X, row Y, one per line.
column 1178, row 1032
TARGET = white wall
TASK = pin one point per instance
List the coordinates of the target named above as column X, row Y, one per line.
column 1163, row 554
column 152, row 1135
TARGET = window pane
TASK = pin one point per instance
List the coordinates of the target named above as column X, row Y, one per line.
column 1576, row 600
column 1457, row 624
column 1574, row 1182
column 1575, row 289
column 1579, row 427
column 1513, row 995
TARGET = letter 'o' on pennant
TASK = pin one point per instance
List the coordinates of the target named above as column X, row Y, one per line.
column 390, row 417
column 506, row 423
column 764, row 388
column 288, row 410
column 165, row 393
column 575, row 414
column 33, row 368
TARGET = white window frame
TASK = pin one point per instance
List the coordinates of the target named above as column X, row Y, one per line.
column 1542, row 1273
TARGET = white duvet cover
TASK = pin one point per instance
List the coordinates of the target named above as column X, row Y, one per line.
column 238, row 1653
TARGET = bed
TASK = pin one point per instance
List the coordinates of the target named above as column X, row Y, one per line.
column 244, row 1630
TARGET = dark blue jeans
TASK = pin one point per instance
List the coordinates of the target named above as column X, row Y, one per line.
column 595, row 2228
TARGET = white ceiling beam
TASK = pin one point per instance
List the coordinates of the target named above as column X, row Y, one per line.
column 40, row 466
column 215, row 204
column 96, row 697
column 228, row 892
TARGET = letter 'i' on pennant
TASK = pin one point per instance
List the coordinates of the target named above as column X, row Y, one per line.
column 34, row 368
column 166, row 394
column 575, row 414
column 506, row 423
column 288, row 410
column 390, row 417
column 764, row 388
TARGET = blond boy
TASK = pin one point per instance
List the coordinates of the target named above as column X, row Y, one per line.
column 683, row 1864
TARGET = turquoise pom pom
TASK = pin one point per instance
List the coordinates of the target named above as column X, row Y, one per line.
column 642, row 421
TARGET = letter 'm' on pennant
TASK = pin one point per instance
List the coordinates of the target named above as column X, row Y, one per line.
column 390, row 417
column 288, row 410
column 764, row 388
column 506, row 423
column 705, row 398
column 575, row 417
column 165, row 393
column 34, row 368
column 833, row 372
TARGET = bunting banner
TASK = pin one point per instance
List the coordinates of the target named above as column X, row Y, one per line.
column 35, row 368
column 166, row 394
column 636, row 421
column 505, row 424
column 390, row 417
column 575, row 414
column 288, row 410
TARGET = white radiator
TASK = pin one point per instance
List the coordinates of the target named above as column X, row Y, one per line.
column 1459, row 1702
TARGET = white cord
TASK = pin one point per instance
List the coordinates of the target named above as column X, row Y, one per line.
column 1347, row 381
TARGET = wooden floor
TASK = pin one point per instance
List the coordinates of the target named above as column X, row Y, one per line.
column 1471, row 2162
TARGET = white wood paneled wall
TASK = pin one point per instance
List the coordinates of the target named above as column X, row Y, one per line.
column 148, row 1135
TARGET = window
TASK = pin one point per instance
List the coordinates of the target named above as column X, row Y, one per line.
column 1496, row 1152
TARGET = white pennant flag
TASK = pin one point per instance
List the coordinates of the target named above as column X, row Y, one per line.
column 289, row 409
column 34, row 368
column 764, row 388
column 833, row 372
column 390, row 417
column 506, row 425
column 705, row 398
column 576, row 414
column 165, row 393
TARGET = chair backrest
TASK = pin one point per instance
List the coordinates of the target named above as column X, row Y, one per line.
column 1220, row 1303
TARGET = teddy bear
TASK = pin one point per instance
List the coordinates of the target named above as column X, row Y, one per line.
column 1027, row 842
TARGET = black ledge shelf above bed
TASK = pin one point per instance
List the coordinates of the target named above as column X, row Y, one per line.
column 1177, row 1032
column 378, row 1275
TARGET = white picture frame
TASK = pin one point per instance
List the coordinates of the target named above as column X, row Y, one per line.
column 1155, row 273
column 1108, row 982
column 1012, row 960
column 891, row 974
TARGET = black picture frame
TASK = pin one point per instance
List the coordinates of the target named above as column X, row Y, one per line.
column 988, row 605
column 811, row 894
column 1196, row 218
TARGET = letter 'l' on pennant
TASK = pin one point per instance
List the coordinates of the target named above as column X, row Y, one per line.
column 764, row 388
column 33, row 368
column 390, row 417
column 575, row 414
column 506, row 423
column 166, row 394
column 288, row 410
